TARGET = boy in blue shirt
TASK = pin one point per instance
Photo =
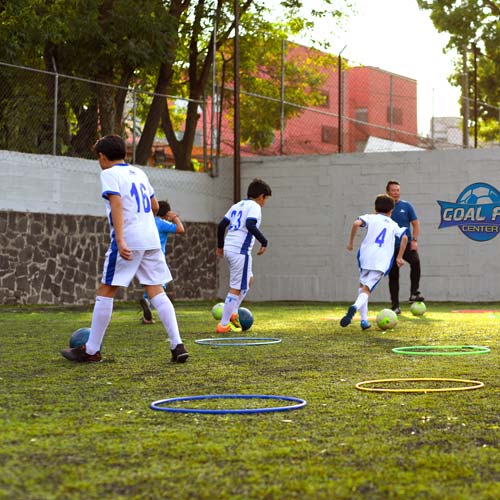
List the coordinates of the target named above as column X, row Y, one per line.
column 167, row 222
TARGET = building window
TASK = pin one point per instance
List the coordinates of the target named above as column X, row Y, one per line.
column 329, row 135
column 361, row 115
column 397, row 116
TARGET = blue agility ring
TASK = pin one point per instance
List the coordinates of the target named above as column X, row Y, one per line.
column 156, row 404
column 238, row 341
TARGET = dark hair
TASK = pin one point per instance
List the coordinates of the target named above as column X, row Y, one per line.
column 112, row 147
column 164, row 208
column 258, row 187
column 384, row 204
column 390, row 183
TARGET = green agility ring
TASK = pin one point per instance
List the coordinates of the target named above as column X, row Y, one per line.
column 441, row 350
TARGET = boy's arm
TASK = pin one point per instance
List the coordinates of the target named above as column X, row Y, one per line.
column 402, row 248
column 115, row 202
column 357, row 224
column 251, row 225
column 221, row 231
column 154, row 205
column 174, row 218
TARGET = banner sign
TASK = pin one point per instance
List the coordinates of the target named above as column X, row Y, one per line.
column 476, row 212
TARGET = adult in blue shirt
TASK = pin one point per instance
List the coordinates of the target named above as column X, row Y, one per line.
column 167, row 222
column 404, row 215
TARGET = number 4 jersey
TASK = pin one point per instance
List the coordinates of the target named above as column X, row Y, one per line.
column 377, row 249
column 238, row 239
column 135, row 191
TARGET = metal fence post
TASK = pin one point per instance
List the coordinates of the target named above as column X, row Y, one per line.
column 54, row 127
column 134, row 121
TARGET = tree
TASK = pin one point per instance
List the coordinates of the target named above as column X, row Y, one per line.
column 109, row 46
column 190, row 74
column 474, row 22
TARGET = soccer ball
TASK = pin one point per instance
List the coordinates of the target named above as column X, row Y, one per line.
column 418, row 308
column 479, row 194
column 217, row 311
column 79, row 337
column 387, row 319
column 246, row 318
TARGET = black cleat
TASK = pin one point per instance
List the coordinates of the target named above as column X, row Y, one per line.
column 346, row 320
column 148, row 315
column 396, row 309
column 79, row 355
column 416, row 297
column 179, row 354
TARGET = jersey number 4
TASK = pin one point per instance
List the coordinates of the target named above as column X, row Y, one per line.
column 381, row 237
column 141, row 197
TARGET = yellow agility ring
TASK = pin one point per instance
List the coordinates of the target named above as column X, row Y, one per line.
column 475, row 384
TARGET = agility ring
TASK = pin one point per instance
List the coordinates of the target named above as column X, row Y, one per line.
column 441, row 350
column 157, row 405
column 474, row 385
column 238, row 341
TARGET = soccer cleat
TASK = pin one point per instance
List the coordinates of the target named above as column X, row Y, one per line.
column 346, row 320
column 144, row 321
column 396, row 309
column 79, row 354
column 235, row 320
column 416, row 297
column 148, row 315
column 179, row 354
column 365, row 324
column 228, row 328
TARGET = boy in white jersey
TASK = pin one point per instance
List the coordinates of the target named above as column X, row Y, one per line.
column 134, row 251
column 375, row 254
column 243, row 219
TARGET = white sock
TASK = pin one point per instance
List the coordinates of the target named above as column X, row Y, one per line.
column 103, row 310
column 230, row 306
column 361, row 300
column 363, row 310
column 243, row 294
column 166, row 313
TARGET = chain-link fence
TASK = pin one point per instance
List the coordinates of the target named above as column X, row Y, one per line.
column 305, row 107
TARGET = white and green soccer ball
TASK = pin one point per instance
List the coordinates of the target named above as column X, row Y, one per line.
column 217, row 311
column 387, row 319
column 418, row 308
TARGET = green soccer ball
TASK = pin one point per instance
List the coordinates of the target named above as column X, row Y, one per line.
column 418, row 308
column 387, row 319
column 217, row 311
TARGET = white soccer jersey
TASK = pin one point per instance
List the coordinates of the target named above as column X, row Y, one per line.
column 377, row 248
column 238, row 239
column 132, row 185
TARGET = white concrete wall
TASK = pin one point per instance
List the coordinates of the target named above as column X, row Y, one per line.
column 308, row 219
column 56, row 184
column 316, row 199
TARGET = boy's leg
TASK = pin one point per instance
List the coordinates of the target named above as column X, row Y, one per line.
column 230, row 305
column 166, row 312
column 101, row 317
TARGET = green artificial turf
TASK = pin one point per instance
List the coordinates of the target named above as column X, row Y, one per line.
column 85, row 431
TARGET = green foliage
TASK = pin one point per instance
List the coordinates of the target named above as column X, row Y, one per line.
column 469, row 23
column 86, row 431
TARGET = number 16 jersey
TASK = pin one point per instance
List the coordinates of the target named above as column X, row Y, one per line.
column 135, row 191
column 377, row 249
column 238, row 239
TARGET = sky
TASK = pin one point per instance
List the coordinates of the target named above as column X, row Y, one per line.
column 395, row 35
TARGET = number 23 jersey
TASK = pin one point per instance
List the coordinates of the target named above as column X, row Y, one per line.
column 135, row 191
column 238, row 239
column 377, row 249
